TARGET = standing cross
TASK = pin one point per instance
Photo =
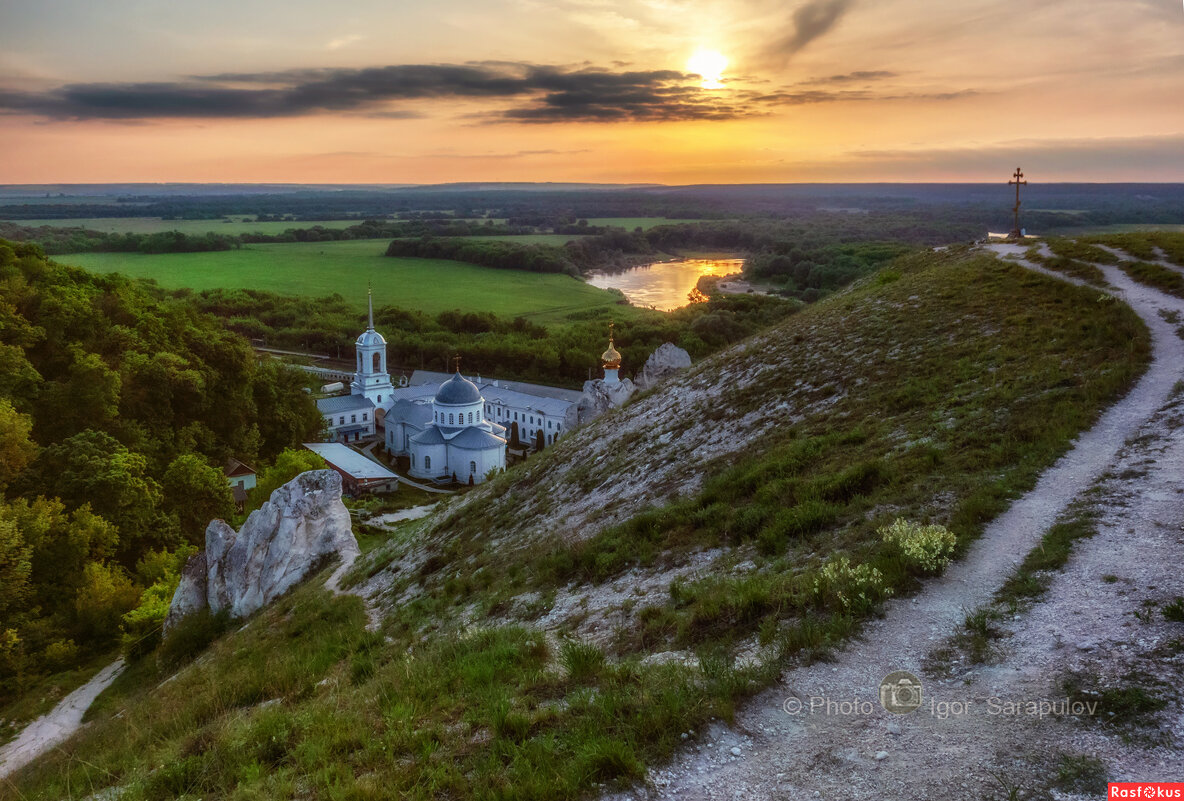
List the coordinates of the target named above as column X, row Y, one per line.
column 456, row 362
column 1018, row 182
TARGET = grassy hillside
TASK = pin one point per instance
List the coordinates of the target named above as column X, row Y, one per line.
column 564, row 626
column 316, row 269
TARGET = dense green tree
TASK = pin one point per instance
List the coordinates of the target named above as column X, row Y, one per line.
column 289, row 464
column 93, row 468
column 114, row 402
column 195, row 494
column 16, row 448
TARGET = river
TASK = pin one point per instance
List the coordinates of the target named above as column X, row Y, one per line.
column 664, row 285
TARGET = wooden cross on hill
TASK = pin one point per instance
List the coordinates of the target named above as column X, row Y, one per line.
column 1018, row 181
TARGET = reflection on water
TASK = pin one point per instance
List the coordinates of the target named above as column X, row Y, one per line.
column 664, row 285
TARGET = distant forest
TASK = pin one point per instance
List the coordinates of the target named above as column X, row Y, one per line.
column 981, row 206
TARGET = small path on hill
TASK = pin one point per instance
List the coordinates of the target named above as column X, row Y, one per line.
column 769, row 753
column 333, row 585
column 54, row 727
column 1160, row 259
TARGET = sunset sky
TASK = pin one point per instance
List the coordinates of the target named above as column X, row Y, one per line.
column 385, row 91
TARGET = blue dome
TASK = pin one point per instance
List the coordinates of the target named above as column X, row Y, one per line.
column 458, row 391
column 370, row 339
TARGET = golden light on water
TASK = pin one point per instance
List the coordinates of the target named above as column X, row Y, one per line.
column 708, row 65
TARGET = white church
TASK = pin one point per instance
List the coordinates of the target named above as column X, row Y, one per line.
column 446, row 424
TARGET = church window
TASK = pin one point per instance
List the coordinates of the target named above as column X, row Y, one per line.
column 470, row 417
column 450, row 418
column 427, row 463
column 364, row 417
column 380, row 399
column 472, row 468
column 341, row 420
column 377, row 363
column 353, row 418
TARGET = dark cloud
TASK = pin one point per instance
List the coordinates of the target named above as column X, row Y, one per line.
column 537, row 94
column 810, row 21
column 861, row 76
column 804, row 97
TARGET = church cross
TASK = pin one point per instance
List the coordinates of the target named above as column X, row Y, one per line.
column 456, row 362
column 1018, row 181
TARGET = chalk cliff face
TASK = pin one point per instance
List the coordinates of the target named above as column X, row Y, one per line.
column 663, row 363
column 303, row 524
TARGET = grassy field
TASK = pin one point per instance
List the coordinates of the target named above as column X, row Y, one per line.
column 316, row 269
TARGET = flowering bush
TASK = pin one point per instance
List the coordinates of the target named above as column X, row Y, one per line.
column 856, row 589
column 928, row 548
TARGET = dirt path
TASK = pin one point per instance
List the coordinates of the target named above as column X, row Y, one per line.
column 51, row 729
column 333, row 585
column 787, row 744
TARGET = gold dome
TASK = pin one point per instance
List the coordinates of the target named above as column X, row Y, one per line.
column 610, row 357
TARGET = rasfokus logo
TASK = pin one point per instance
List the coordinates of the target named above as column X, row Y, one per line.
column 900, row 692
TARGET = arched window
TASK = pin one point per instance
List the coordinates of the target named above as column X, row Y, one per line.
column 427, row 463
column 377, row 363
column 470, row 417
column 472, row 468
column 450, row 418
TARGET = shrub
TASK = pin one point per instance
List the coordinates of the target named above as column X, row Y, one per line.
column 928, row 548
column 856, row 589
column 61, row 654
column 583, row 661
column 192, row 634
column 142, row 625
column 105, row 596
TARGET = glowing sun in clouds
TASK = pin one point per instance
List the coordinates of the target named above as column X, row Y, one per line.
column 708, row 65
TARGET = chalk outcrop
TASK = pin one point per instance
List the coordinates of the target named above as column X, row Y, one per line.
column 599, row 397
column 303, row 525
column 663, row 363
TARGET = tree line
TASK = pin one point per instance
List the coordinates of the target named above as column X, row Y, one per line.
column 118, row 408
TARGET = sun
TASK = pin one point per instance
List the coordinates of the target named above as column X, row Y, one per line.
column 708, row 65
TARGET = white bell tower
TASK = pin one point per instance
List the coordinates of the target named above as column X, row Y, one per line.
column 371, row 378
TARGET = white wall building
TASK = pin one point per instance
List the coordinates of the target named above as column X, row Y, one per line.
column 348, row 418
column 448, row 437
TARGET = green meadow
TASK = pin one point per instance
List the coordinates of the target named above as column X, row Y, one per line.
column 316, row 269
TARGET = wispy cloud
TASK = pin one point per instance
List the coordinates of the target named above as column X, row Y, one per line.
column 810, row 21
column 339, row 42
